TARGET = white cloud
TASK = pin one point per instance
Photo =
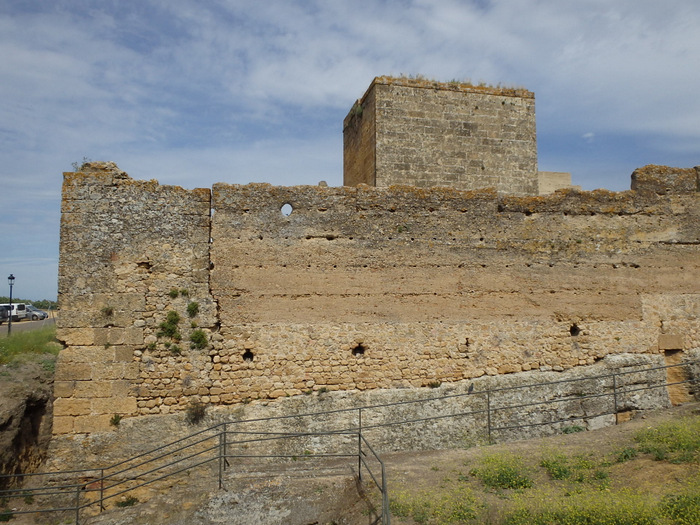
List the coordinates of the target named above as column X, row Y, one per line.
column 247, row 90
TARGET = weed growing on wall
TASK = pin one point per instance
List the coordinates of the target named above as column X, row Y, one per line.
column 129, row 501
column 195, row 412
column 169, row 327
column 199, row 339
column 192, row 309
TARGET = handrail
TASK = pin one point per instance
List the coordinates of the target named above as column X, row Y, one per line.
column 195, row 447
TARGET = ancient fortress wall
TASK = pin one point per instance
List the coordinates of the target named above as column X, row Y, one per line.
column 358, row 289
column 417, row 132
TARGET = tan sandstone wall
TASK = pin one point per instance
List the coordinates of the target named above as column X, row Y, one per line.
column 126, row 247
column 358, row 288
column 424, row 134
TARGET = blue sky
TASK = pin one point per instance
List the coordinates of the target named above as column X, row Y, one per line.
column 194, row 92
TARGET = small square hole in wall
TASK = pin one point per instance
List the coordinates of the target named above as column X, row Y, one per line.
column 248, row 356
column 359, row 350
column 574, row 330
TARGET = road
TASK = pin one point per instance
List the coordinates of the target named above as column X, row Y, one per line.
column 25, row 326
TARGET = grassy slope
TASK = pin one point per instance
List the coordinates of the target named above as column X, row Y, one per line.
column 628, row 474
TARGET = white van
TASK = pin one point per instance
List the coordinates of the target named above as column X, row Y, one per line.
column 19, row 311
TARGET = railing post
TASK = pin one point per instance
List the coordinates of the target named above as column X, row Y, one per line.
column 359, row 444
column 488, row 413
column 77, row 505
column 225, row 445
column 386, row 517
column 102, row 490
column 222, row 456
column 615, row 394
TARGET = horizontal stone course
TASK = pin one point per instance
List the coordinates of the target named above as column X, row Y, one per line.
column 357, row 289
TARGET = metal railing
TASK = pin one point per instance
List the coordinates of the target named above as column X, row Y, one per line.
column 218, row 445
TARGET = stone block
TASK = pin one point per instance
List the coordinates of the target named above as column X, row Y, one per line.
column 89, row 424
column 671, row 342
column 122, row 388
column 62, row 424
column 73, row 372
column 114, row 405
column 63, row 388
column 71, row 407
column 89, row 389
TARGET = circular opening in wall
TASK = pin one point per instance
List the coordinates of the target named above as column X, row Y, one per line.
column 248, row 356
column 286, row 209
column 359, row 350
column 574, row 330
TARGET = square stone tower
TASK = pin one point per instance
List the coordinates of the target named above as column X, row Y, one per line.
column 424, row 133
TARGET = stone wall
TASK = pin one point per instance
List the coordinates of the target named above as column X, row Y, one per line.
column 423, row 133
column 358, row 289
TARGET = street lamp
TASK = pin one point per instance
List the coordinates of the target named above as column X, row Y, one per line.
column 10, row 281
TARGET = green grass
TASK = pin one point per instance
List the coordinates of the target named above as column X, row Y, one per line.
column 503, row 471
column 457, row 506
column 36, row 345
column 504, row 488
column 596, row 507
column 592, row 507
column 674, row 441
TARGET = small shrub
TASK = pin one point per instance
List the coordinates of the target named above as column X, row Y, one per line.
column 168, row 328
column 129, row 501
column 195, row 412
column 174, row 293
column 175, row 350
column 184, row 292
column 503, row 471
column 199, row 339
column 116, row 419
column 6, row 515
column 77, row 166
column 107, row 311
column 49, row 365
column 151, row 346
column 557, row 467
column 434, row 384
column 626, row 454
column 192, row 309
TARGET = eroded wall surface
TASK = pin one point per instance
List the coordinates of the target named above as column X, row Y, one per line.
column 358, row 288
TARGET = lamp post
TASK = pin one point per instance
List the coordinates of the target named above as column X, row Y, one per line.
column 10, row 281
